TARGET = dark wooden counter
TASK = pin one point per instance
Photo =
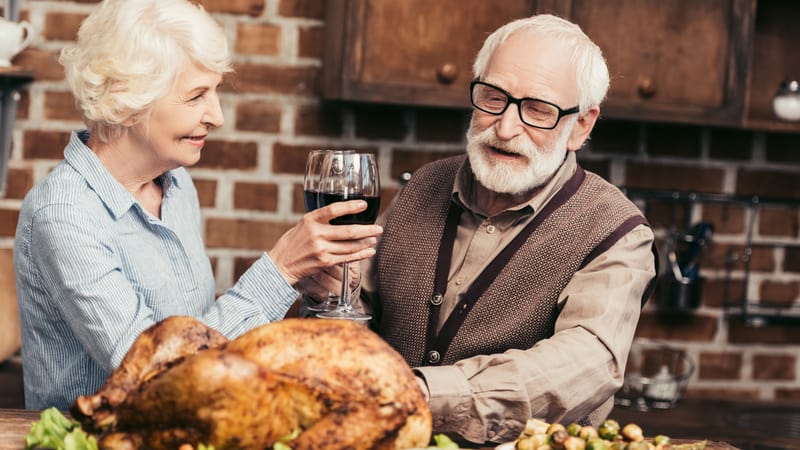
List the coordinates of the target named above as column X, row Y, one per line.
column 748, row 425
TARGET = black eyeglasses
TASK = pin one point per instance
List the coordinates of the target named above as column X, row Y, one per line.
column 532, row 111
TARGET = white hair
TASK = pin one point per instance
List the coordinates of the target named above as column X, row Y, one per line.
column 129, row 53
column 591, row 71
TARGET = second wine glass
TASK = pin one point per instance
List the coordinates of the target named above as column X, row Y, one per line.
column 349, row 176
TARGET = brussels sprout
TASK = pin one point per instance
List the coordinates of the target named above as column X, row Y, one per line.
column 574, row 429
column 587, row 432
column 632, row 432
column 525, row 444
column 574, row 443
column 559, row 437
column 597, row 444
column 662, row 440
column 555, row 427
column 638, row 445
column 609, row 429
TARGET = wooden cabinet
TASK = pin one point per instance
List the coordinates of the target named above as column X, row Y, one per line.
column 677, row 60
column 704, row 62
column 411, row 52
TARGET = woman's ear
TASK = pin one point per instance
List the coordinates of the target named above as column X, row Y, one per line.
column 583, row 127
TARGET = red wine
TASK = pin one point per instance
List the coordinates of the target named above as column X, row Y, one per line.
column 310, row 199
column 366, row 217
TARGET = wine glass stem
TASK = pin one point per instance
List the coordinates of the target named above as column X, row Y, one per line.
column 344, row 299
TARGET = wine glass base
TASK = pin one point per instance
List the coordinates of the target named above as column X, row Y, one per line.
column 344, row 315
column 328, row 305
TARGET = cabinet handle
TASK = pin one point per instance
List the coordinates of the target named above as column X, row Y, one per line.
column 647, row 87
column 447, row 73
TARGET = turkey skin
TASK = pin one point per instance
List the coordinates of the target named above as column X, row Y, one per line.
column 334, row 381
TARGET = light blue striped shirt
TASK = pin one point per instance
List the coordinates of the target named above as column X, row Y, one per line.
column 94, row 269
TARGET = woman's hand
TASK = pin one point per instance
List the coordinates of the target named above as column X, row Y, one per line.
column 313, row 244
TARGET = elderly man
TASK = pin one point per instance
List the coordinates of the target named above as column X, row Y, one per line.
column 521, row 297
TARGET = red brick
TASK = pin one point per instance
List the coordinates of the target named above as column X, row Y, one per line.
column 206, row 192
column 774, row 367
column 722, row 293
column 60, row 106
column 719, row 366
column 791, row 260
column 240, row 266
column 286, row 80
column 762, row 257
column 688, row 327
column 782, row 147
column 407, row 160
column 609, row 136
column 670, row 177
column 229, row 155
column 727, row 218
column 380, row 122
column 441, row 125
column 730, row 144
column 318, row 120
column 18, row 183
column 8, row 222
column 62, row 26
column 788, row 394
column 243, row 234
column 663, row 213
column 779, row 334
column 292, row 158
column 777, row 221
column 45, row 144
column 313, row 9
column 43, row 63
column 258, row 39
column 673, row 140
column 311, row 42
column 24, row 103
column 768, row 183
column 723, row 393
column 251, row 7
column 298, row 201
column 258, row 116
column 213, row 261
column 255, row 196
column 777, row 293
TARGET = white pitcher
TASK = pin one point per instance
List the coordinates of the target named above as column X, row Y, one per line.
column 14, row 37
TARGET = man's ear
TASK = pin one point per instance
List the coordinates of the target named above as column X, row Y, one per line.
column 580, row 132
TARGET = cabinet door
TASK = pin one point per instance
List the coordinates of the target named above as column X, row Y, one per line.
column 676, row 60
column 411, row 52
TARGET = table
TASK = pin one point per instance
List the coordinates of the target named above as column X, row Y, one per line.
column 15, row 424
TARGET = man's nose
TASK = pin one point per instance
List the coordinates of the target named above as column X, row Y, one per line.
column 509, row 125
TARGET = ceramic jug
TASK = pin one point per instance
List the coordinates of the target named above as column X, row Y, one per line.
column 14, row 37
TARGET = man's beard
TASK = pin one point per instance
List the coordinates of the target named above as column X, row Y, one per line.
column 508, row 178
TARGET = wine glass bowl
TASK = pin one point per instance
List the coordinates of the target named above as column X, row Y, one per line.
column 349, row 176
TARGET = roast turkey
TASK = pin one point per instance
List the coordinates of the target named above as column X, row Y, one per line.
column 337, row 383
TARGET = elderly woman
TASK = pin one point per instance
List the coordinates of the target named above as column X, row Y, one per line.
column 110, row 241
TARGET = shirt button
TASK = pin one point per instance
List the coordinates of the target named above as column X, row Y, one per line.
column 491, row 229
column 436, row 299
column 459, row 281
column 434, row 357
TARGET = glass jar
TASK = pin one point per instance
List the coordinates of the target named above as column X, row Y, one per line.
column 786, row 103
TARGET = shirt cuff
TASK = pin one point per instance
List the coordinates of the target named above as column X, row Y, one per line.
column 451, row 402
column 268, row 288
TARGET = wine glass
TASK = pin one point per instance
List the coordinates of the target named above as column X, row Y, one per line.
column 311, row 181
column 349, row 176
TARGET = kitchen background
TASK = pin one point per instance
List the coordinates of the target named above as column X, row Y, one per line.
column 693, row 141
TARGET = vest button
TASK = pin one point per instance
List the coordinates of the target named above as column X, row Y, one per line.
column 434, row 357
column 437, row 299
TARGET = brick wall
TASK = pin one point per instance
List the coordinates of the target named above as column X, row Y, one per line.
column 250, row 175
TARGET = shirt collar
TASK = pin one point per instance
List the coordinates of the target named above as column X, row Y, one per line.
column 465, row 180
column 116, row 198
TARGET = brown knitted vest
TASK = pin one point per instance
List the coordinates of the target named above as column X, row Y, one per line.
column 516, row 305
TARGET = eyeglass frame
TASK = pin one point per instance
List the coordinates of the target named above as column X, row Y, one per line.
column 518, row 101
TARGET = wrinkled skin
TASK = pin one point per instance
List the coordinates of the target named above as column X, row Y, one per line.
column 334, row 380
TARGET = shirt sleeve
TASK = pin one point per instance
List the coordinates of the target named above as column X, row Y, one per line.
column 565, row 377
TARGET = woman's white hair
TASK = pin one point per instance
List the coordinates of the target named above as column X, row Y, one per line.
column 129, row 53
column 591, row 71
